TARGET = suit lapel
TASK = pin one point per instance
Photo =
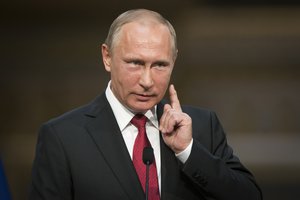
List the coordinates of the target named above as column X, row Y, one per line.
column 169, row 165
column 104, row 129
column 164, row 153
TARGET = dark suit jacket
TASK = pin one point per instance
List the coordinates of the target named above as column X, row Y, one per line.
column 81, row 155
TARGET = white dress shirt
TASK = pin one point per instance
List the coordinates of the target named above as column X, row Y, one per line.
column 129, row 131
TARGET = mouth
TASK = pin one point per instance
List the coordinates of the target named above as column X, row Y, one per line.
column 144, row 97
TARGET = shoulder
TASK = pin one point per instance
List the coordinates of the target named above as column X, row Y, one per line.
column 78, row 116
column 198, row 112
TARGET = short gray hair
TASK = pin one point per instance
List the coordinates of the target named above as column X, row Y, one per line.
column 135, row 15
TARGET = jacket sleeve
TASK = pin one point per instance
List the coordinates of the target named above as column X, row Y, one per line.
column 214, row 170
column 50, row 175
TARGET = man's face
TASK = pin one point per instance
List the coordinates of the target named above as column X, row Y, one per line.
column 140, row 64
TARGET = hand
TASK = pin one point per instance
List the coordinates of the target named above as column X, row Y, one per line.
column 175, row 125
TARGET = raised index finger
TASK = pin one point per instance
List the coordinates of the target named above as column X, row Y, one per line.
column 175, row 104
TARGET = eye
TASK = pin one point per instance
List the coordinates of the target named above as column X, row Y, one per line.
column 135, row 62
column 161, row 64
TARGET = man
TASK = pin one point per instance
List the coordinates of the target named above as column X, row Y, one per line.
column 92, row 152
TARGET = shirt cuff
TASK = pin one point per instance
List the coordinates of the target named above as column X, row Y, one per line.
column 184, row 155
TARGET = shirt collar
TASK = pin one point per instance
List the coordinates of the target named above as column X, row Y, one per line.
column 124, row 115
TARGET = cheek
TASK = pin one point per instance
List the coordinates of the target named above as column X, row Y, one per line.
column 162, row 81
column 127, row 79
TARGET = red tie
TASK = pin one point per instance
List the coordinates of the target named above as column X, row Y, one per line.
column 140, row 143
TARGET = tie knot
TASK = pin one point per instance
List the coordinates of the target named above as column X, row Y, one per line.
column 139, row 121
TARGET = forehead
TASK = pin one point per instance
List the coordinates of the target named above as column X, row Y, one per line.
column 144, row 34
column 144, row 38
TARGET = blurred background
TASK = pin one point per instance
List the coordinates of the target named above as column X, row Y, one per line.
column 238, row 58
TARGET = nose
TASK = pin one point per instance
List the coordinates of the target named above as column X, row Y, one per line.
column 146, row 80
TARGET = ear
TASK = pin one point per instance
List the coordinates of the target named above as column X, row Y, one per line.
column 175, row 56
column 106, row 57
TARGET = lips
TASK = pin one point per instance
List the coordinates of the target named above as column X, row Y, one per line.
column 144, row 97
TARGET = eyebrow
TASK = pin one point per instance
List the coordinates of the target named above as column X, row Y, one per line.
column 130, row 59
column 142, row 61
column 162, row 62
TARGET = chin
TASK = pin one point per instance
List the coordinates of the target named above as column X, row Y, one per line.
column 141, row 109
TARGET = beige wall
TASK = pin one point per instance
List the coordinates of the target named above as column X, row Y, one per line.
column 241, row 61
